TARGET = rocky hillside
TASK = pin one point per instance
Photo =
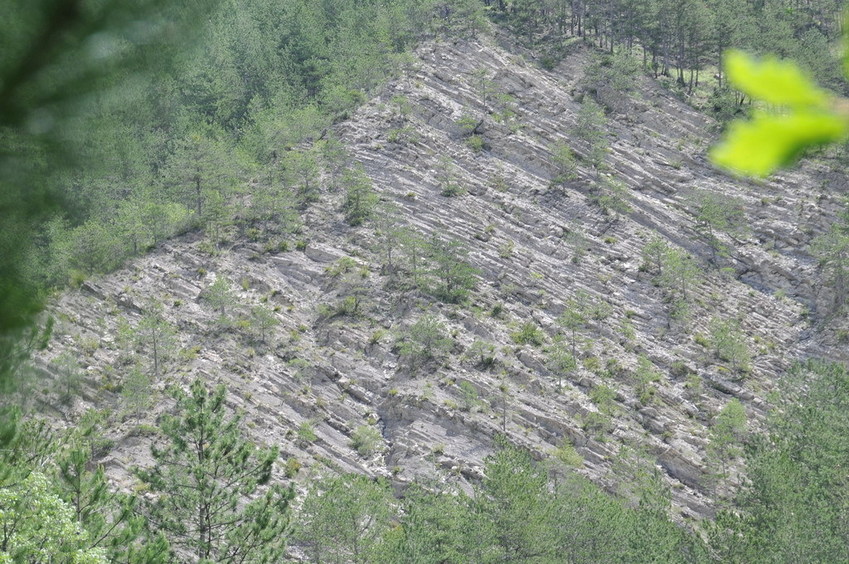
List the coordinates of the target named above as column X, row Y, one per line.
column 317, row 380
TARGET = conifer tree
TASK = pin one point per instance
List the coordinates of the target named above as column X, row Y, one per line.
column 679, row 273
column 565, row 164
column 69, row 376
column 109, row 518
column 201, row 170
column 454, row 277
column 391, row 235
column 831, row 249
column 361, row 198
column 590, row 127
column 718, row 213
column 220, row 296
column 513, row 506
column 207, row 478
column 136, row 391
column 795, row 503
column 726, row 436
column 345, row 519
column 436, row 523
column 574, row 318
column 263, row 320
column 301, row 172
column 561, row 361
column 415, row 248
column 424, row 341
column 156, row 335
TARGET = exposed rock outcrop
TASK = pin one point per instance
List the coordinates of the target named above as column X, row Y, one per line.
column 536, row 245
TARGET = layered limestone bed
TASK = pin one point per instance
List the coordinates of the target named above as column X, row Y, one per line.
column 536, row 244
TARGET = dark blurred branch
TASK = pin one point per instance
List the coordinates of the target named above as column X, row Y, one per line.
column 64, row 16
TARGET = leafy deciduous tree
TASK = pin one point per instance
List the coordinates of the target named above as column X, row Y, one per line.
column 37, row 526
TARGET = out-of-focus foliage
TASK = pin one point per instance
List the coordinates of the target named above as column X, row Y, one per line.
column 774, row 81
column 64, row 62
column 806, row 116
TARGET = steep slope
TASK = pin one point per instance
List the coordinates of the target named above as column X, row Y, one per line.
column 537, row 244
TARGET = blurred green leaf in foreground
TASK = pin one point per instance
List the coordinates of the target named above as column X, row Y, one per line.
column 802, row 116
column 60, row 60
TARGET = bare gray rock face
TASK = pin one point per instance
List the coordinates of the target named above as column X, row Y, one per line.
column 315, row 379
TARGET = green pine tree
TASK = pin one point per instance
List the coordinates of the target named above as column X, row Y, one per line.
column 345, row 519
column 360, row 199
column 155, row 334
column 454, row 278
column 208, row 478
column 109, row 518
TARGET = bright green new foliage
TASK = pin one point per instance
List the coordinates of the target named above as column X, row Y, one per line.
column 37, row 526
column 766, row 142
column 807, row 116
column 774, row 81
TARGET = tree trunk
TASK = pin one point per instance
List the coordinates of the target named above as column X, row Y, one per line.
column 155, row 356
column 198, row 199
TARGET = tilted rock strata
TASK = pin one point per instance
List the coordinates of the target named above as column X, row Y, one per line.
column 335, row 375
